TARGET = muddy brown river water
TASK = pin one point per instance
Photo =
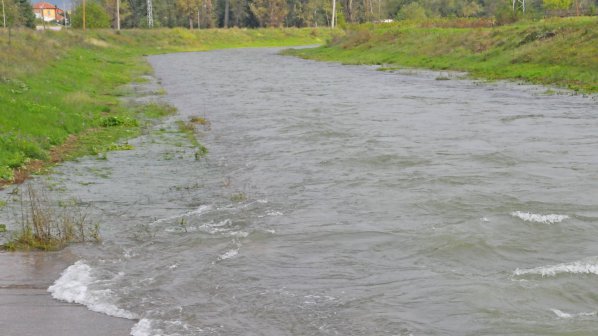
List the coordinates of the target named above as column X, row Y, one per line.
column 341, row 200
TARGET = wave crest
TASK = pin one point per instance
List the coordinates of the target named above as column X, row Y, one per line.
column 589, row 266
column 537, row 218
column 73, row 287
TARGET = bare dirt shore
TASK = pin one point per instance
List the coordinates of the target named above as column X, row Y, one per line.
column 27, row 309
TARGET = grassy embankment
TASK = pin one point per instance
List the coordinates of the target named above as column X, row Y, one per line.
column 59, row 91
column 561, row 52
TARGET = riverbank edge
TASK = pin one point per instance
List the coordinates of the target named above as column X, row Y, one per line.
column 557, row 52
column 32, row 141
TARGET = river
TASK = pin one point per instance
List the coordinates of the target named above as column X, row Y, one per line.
column 342, row 200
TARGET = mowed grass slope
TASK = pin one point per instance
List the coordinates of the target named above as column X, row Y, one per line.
column 59, row 91
column 562, row 52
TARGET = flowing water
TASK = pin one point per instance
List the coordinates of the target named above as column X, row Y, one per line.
column 341, row 200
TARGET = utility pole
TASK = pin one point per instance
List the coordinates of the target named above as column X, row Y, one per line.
column 333, row 21
column 150, row 14
column 3, row 14
column 43, row 18
column 117, row 14
column 83, row 15
column 64, row 13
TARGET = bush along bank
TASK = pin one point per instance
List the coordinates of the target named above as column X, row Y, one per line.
column 60, row 92
column 561, row 52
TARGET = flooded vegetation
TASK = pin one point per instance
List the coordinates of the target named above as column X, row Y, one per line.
column 341, row 200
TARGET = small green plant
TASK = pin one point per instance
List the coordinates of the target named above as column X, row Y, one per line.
column 201, row 152
column 238, row 197
column 2, row 227
column 48, row 226
column 188, row 128
column 207, row 125
column 114, row 121
column 157, row 110
column 183, row 224
column 119, row 147
column 199, row 120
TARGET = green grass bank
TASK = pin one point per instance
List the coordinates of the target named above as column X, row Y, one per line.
column 561, row 52
column 60, row 91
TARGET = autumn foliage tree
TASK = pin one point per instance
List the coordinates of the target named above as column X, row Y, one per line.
column 270, row 13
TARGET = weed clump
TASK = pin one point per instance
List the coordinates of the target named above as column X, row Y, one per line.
column 199, row 120
column 158, row 110
column 113, row 121
column 238, row 197
column 49, row 226
column 188, row 128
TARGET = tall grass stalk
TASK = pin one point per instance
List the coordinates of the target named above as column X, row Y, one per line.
column 47, row 225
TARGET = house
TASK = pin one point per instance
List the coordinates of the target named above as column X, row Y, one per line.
column 48, row 12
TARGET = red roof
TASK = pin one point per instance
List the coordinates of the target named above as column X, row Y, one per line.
column 44, row 5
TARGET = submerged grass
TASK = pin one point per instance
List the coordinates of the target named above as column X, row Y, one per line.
column 60, row 91
column 47, row 225
column 190, row 131
column 562, row 52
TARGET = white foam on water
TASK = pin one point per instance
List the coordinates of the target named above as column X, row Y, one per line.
column 214, row 228
column 273, row 213
column 239, row 234
column 148, row 327
column 142, row 328
column 588, row 266
column 562, row 314
column 197, row 212
column 73, row 286
column 229, row 254
column 544, row 219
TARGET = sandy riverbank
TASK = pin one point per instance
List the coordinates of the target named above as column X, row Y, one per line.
column 27, row 309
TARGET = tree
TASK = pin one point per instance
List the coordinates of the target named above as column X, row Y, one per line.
column 188, row 9
column 270, row 13
column 118, row 10
column 469, row 9
column 413, row 11
column 27, row 18
column 558, row 4
column 3, row 14
column 95, row 16
column 11, row 16
column 239, row 12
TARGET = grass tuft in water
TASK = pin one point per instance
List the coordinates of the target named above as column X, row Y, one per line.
column 47, row 225
column 189, row 129
column 238, row 197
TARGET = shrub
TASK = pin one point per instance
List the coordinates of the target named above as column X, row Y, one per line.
column 95, row 16
column 413, row 11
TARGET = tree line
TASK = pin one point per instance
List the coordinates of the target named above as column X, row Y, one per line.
column 285, row 13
